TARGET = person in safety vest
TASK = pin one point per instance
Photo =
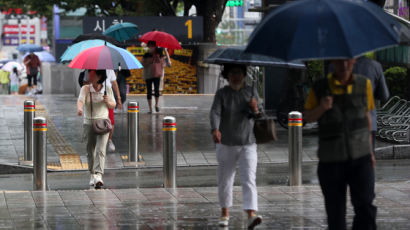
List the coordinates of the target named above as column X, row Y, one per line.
column 341, row 103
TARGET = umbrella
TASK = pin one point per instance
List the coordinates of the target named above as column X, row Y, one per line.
column 44, row 56
column 237, row 56
column 29, row 48
column 72, row 51
column 405, row 31
column 10, row 65
column 322, row 29
column 105, row 57
column 122, row 31
column 93, row 36
column 162, row 39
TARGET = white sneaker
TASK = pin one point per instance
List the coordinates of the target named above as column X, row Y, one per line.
column 111, row 146
column 116, row 111
column 223, row 221
column 92, row 179
column 98, row 181
column 254, row 221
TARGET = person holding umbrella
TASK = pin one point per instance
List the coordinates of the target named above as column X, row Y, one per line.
column 154, row 62
column 341, row 103
column 33, row 67
column 338, row 31
column 94, row 102
column 232, row 120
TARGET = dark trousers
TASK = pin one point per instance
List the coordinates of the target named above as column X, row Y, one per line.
column 149, row 82
column 31, row 78
column 334, row 179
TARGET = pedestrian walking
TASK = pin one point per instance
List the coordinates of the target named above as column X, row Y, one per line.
column 154, row 62
column 94, row 105
column 33, row 67
column 4, row 81
column 14, row 81
column 341, row 103
column 111, row 82
column 373, row 70
column 232, row 120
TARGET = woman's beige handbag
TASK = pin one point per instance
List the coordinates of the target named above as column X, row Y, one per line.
column 100, row 126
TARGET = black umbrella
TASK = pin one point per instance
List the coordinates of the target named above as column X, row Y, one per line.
column 404, row 30
column 237, row 56
column 91, row 36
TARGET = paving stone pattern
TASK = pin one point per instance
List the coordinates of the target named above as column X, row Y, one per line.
column 185, row 208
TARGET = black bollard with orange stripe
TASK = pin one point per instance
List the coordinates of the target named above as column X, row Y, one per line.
column 40, row 154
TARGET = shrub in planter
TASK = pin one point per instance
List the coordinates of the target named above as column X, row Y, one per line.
column 397, row 81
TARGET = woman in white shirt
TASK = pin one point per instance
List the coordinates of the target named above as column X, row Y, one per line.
column 96, row 144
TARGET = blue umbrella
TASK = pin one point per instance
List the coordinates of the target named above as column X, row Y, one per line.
column 324, row 29
column 29, row 48
column 44, row 56
column 122, row 31
column 71, row 52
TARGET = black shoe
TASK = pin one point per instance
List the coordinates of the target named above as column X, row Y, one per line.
column 99, row 185
column 157, row 109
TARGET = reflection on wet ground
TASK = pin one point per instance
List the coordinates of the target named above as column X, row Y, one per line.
column 200, row 176
column 186, row 208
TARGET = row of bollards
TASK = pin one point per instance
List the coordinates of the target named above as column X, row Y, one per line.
column 35, row 144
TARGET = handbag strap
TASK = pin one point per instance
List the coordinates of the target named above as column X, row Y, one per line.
column 91, row 103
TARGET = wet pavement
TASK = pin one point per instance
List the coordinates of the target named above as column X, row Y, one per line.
column 135, row 199
column 194, row 143
column 268, row 174
column 186, row 208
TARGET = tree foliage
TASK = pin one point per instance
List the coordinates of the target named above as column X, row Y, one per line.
column 211, row 10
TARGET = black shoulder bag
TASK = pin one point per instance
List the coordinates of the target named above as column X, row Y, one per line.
column 264, row 128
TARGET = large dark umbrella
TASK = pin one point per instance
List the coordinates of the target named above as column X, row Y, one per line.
column 237, row 56
column 404, row 31
column 93, row 36
column 324, row 29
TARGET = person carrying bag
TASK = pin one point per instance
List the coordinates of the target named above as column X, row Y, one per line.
column 95, row 99
column 264, row 128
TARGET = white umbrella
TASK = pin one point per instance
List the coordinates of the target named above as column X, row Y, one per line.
column 44, row 56
column 10, row 65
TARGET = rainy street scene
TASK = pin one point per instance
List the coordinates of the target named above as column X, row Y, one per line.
column 210, row 114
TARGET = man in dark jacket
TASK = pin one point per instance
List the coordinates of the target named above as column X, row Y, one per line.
column 341, row 103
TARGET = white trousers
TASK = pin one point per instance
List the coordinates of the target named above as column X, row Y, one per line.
column 228, row 157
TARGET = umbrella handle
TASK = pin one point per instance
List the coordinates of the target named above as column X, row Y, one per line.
column 105, row 88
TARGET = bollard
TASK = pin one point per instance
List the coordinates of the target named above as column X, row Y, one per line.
column 29, row 113
column 169, row 129
column 40, row 153
column 295, row 124
column 133, row 131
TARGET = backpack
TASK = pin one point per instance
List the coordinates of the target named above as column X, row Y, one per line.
column 157, row 67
